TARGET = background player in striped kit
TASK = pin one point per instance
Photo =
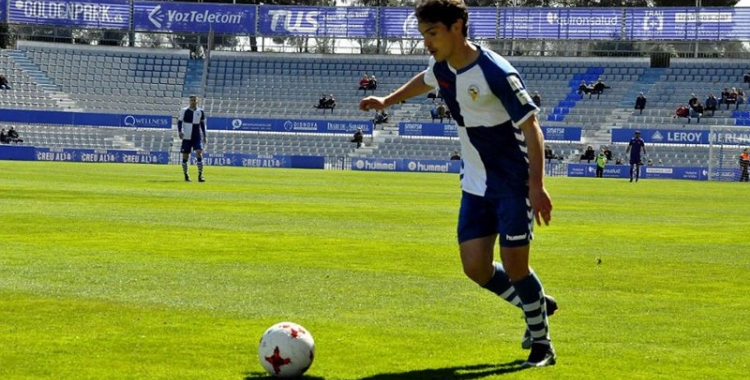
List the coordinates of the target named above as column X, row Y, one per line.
column 191, row 125
column 503, row 163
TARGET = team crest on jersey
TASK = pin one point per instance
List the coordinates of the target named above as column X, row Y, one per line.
column 473, row 91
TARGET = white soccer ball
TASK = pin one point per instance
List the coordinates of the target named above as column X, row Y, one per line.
column 286, row 350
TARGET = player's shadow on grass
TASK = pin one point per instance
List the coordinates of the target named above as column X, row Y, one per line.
column 263, row 375
column 470, row 372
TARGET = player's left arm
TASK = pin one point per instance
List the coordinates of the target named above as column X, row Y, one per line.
column 541, row 202
column 203, row 126
column 522, row 111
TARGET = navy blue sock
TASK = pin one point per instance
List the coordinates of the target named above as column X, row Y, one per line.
column 500, row 284
column 531, row 293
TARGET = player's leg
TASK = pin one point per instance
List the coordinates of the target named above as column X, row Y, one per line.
column 637, row 171
column 199, row 164
column 632, row 169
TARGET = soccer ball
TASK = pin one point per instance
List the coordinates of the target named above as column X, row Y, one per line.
column 286, row 350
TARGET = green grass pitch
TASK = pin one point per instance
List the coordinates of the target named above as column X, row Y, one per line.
column 116, row 271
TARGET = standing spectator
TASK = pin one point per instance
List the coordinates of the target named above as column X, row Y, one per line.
column 359, row 137
column 503, row 179
column 13, row 135
column 4, row 82
column 191, row 127
column 455, row 155
column 601, row 162
column 635, row 148
column 599, row 88
column 537, row 99
column 711, row 103
column 744, row 164
column 640, row 103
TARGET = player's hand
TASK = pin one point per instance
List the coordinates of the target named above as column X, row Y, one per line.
column 182, row 135
column 372, row 103
column 541, row 204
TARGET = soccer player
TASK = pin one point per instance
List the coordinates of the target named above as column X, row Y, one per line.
column 636, row 146
column 191, row 125
column 503, row 163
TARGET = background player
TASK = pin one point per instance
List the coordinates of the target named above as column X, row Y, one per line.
column 636, row 146
column 503, row 161
column 191, row 125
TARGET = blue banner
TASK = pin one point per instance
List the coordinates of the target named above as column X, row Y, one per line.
column 356, row 22
column 89, row 119
column 3, row 8
column 561, row 23
column 681, row 136
column 289, row 125
column 687, row 23
column 427, row 129
column 92, row 155
column 263, row 161
column 409, row 165
column 402, row 23
column 653, row 172
column 100, row 14
column 562, row 133
column 193, row 17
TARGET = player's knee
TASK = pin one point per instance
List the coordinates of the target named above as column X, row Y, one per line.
column 478, row 272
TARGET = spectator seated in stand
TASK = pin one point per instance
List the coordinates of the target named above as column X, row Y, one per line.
column 589, row 154
column 607, row 153
column 696, row 111
column 455, row 155
column 746, row 78
column 4, row 139
column 549, row 154
column 584, row 89
column 326, row 103
column 359, row 137
column 598, row 88
column 727, row 97
column 640, row 103
column 440, row 112
column 4, row 82
column 372, row 83
column 380, row 117
column 434, row 94
column 682, row 111
column 364, row 82
column 740, row 98
column 711, row 103
column 13, row 136
column 537, row 99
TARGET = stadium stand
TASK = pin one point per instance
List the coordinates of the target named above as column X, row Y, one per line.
column 267, row 85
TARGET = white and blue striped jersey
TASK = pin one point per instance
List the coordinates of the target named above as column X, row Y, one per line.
column 192, row 123
column 489, row 102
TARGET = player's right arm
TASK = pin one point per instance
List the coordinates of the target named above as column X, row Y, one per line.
column 414, row 87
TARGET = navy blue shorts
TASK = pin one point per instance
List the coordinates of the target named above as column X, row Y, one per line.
column 636, row 161
column 191, row 145
column 511, row 218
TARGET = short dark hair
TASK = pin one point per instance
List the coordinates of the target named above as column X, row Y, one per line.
column 443, row 11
